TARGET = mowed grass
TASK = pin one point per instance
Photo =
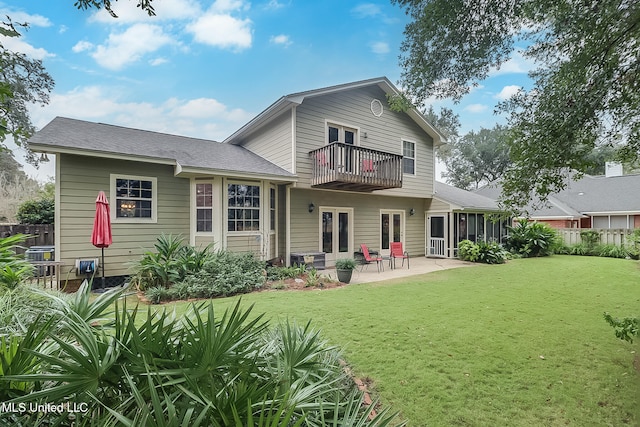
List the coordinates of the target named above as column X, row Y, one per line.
column 521, row 344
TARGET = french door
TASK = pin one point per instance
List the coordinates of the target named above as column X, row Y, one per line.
column 391, row 229
column 336, row 233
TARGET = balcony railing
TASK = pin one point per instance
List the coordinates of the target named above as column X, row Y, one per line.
column 343, row 166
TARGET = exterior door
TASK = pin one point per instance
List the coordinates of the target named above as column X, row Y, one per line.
column 436, row 236
column 391, row 229
column 336, row 233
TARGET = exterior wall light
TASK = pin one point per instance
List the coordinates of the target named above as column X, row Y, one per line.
column 412, row 212
column 311, row 207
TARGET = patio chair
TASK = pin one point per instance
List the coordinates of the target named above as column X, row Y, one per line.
column 398, row 252
column 368, row 258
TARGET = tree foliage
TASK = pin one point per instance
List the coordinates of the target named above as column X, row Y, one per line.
column 23, row 82
column 477, row 158
column 586, row 85
column 144, row 5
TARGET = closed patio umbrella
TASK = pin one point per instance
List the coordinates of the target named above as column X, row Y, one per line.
column 101, row 234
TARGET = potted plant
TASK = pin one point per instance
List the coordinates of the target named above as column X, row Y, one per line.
column 344, row 268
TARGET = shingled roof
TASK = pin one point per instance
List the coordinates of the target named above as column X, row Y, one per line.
column 64, row 135
column 464, row 199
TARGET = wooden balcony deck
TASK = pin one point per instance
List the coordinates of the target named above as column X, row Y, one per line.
column 342, row 166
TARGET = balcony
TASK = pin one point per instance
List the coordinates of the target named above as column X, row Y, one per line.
column 340, row 166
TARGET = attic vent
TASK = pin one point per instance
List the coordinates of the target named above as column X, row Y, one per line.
column 376, row 107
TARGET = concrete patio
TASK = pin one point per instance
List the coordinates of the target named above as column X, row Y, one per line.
column 418, row 265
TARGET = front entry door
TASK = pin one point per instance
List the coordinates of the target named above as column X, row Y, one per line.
column 392, row 229
column 336, row 233
column 436, row 236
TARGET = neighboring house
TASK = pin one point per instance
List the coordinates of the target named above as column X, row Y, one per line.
column 316, row 172
column 603, row 202
column 455, row 215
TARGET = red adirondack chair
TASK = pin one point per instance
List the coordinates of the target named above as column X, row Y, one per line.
column 398, row 252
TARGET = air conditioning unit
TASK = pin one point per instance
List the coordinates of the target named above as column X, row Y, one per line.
column 87, row 265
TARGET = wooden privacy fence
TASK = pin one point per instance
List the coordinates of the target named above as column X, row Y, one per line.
column 608, row 236
column 42, row 234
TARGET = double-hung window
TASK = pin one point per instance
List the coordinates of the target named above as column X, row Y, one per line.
column 133, row 198
column 243, row 207
column 204, row 207
column 409, row 159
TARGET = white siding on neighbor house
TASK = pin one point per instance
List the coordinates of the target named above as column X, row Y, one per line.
column 353, row 108
column 305, row 226
column 80, row 180
column 274, row 141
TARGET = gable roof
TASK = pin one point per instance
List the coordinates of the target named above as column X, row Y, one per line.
column 71, row 136
column 463, row 199
column 587, row 196
column 288, row 101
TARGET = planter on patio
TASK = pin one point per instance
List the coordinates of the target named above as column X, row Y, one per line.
column 344, row 269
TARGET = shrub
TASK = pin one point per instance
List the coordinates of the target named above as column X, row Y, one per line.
column 14, row 269
column 633, row 244
column 205, row 368
column 468, row 251
column 170, row 263
column 225, row 273
column 486, row 252
column 611, row 251
column 590, row 237
column 580, row 249
column 280, row 273
column 491, row 253
column 532, row 239
column 41, row 211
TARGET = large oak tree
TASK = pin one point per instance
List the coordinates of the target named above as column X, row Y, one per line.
column 586, row 82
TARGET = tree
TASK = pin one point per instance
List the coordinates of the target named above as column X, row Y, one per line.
column 15, row 187
column 586, row 85
column 23, row 82
column 144, row 5
column 477, row 158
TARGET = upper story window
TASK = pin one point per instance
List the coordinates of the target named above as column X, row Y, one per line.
column 133, row 198
column 244, row 207
column 409, row 160
column 204, row 207
column 340, row 133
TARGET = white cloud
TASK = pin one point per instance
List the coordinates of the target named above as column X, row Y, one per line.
column 274, row 5
column 224, row 6
column 129, row 46
column 221, row 30
column 281, row 39
column 380, row 47
column 475, row 108
column 23, row 17
column 199, row 118
column 518, row 64
column 507, row 92
column 158, row 61
column 366, row 10
column 82, row 46
column 18, row 44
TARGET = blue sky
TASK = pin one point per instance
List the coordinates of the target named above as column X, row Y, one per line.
column 204, row 68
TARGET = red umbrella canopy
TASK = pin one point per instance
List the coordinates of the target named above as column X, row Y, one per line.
column 101, row 235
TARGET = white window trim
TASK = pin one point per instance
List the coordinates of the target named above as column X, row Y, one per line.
column 154, row 199
column 261, row 208
column 415, row 156
column 341, row 126
column 194, row 206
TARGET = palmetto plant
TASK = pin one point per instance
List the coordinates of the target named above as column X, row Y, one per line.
column 156, row 369
column 13, row 268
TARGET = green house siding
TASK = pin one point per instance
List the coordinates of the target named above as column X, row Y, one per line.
column 352, row 108
column 305, row 226
column 79, row 184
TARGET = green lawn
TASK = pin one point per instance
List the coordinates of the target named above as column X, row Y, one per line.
column 521, row 344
